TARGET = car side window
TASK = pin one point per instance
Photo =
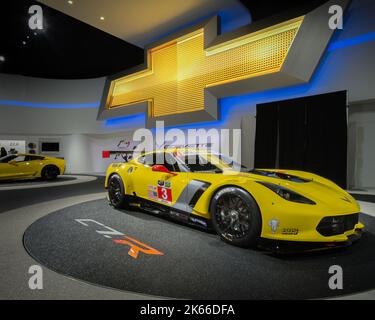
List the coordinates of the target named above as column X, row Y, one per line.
column 197, row 163
column 149, row 159
column 19, row 159
column 33, row 158
column 167, row 161
column 170, row 163
column 141, row 160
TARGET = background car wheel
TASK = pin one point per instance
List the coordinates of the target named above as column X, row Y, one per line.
column 50, row 172
column 116, row 192
column 236, row 217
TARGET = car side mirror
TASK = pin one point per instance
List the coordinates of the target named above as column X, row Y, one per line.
column 161, row 168
column 12, row 162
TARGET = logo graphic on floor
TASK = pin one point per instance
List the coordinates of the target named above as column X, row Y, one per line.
column 135, row 249
column 135, row 246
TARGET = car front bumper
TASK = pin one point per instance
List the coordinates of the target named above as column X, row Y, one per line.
column 293, row 247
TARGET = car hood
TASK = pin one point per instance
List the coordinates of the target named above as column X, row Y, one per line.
column 311, row 186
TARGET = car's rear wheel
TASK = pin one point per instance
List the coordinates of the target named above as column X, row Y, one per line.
column 116, row 192
column 50, row 172
column 236, row 217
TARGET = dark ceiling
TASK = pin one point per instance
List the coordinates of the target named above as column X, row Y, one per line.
column 67, row 48
column 70, row 49
column 264, row 9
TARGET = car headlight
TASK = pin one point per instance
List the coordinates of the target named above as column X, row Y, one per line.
column 286, row 193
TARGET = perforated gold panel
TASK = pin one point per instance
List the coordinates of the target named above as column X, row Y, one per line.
column 180, row 70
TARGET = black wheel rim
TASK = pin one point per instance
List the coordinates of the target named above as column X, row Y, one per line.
column 233, row 217
column 51, row 173
column 114, row 191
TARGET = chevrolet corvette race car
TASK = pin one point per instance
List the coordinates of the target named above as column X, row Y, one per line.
column 25, row 166
column 244, row 207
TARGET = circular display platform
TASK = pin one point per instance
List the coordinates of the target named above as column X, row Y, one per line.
column 28, row 182
column 21, row 184
column 138, row 252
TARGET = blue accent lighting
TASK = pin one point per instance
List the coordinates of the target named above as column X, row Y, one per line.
column 136, row 119
column 354, row 41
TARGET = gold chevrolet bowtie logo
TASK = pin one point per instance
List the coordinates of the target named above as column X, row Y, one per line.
column 179, row 72
column 185, row 74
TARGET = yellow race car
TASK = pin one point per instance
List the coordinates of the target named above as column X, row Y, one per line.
column 244, row 207
column 26, row 166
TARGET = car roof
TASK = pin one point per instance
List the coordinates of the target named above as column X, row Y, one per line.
column 28, row 154
column 196, row 150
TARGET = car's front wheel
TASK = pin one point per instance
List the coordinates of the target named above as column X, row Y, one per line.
column 236, row 217
column 116, row 192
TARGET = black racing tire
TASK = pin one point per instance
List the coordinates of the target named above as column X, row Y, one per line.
column 235, row 217
column 50, row 172
column 116, row 192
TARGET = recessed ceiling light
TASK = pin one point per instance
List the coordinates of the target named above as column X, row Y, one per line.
column 102, row 18
column 2, row 58
column 35, row 34
column 23, row 42
column 70, row 2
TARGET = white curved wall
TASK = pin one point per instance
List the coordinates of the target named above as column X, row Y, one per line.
column 78, row 146
column 38, row 90
column 34, row 110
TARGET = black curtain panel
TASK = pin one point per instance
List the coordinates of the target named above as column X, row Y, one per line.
column 266, row 135
column 326, row 136
column 292, row 135
column 309, row 134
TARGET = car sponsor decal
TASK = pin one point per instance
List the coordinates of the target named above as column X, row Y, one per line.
column 165, row 194
column 152, row 192
column 198, row 221
column 290, row 231
column 167, row 184
column 136, row 246
column 274, row 225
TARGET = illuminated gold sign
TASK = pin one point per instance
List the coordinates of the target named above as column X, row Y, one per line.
column 180, row 70
column 184, row 75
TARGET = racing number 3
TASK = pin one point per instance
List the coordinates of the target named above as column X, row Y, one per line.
column 165, row 194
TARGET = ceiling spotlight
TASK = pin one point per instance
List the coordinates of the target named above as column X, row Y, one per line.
column 70, row 2
column 24, row 42
column 35, row 34
column 2, row 58
column 102, row 18
column 28, row 37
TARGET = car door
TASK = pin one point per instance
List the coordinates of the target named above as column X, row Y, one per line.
column 201, row 173
column 6, row 170
column 15, row 167
column 161, row 187
column 33, row 164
